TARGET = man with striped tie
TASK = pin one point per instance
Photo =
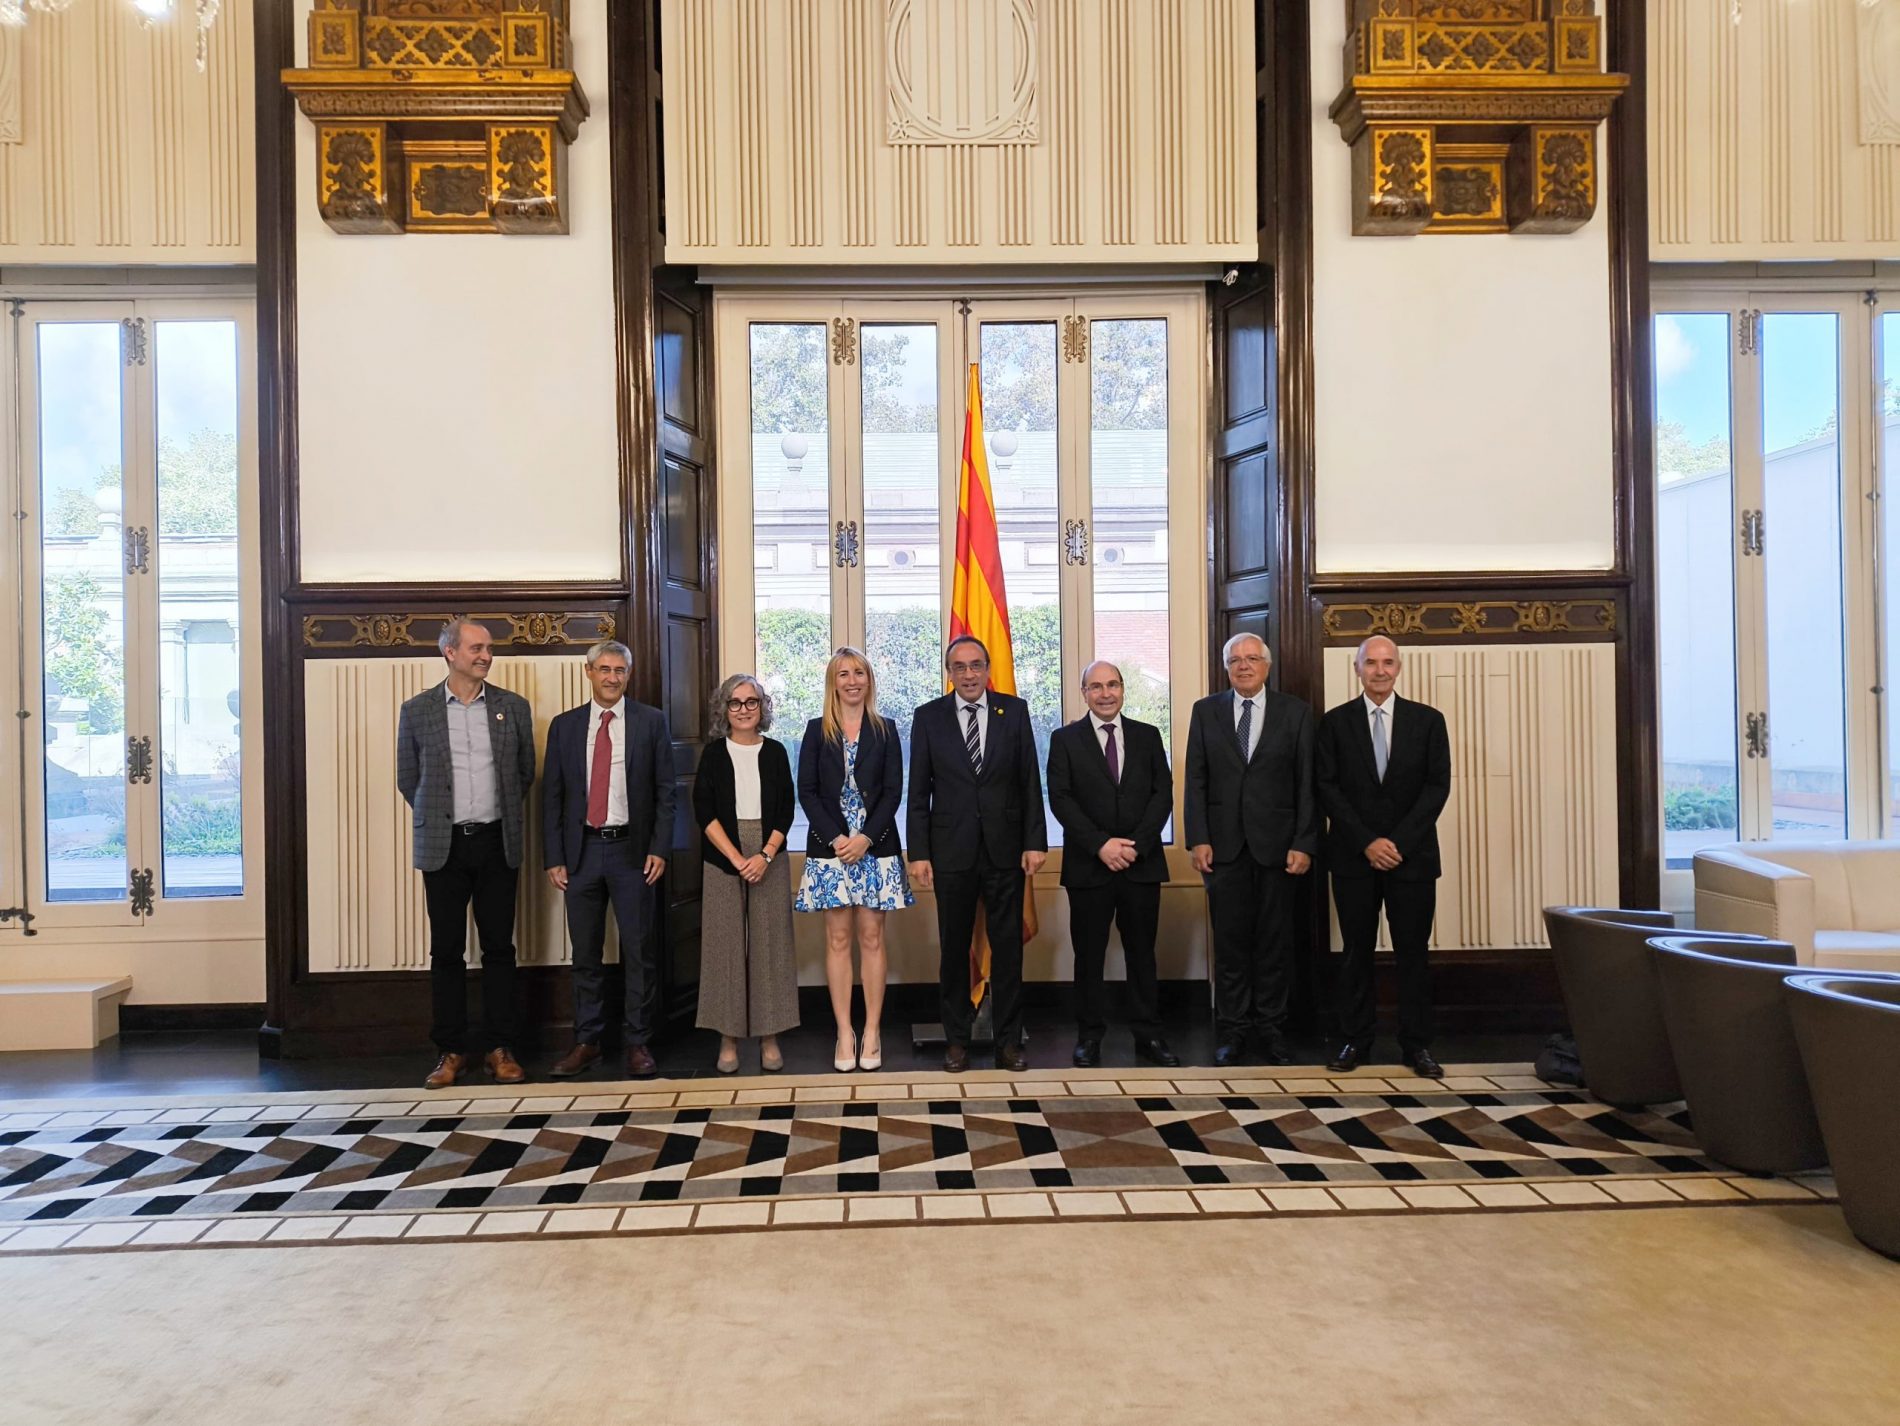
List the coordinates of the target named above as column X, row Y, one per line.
column 975, row 831
column 1251, row 829
column 1384, row 774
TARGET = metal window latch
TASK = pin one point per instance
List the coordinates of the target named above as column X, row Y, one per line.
column 132, row 342
column 138, row 759
column 1748, row 332
column 1755, row 735
column 845, row 542
column 1075, row 542
column 1753, row 527
column 1075, row 338
column 144, row 895
column 138, row 549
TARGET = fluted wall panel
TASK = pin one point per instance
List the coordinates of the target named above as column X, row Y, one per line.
column 367, row 911
column 1774, row 130
column 1531, row 821
column 114, row 148
column 853, row 131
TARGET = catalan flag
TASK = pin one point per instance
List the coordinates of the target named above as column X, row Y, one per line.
column 979, row 606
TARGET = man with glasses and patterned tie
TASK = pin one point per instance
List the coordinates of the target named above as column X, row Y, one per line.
column 1384, row 774
column 975, row 830
column 1112, row 791
column 607, row 819
column 1251, row 829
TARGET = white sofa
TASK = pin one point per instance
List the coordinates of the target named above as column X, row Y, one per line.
column 1838, row 903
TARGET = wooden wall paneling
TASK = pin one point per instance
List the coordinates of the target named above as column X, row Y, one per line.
column 1245, row 449
column 1632, row 360
column 667, row 472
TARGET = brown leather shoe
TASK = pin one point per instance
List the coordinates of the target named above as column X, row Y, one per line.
column 447, row 1070
column 578, row 1060
column 956, row 1059
column 641, row 1064
column 502, row 1066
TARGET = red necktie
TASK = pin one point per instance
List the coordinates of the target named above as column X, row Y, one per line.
column 603, row 774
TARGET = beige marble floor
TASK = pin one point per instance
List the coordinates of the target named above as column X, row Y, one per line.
column 1684, row 1316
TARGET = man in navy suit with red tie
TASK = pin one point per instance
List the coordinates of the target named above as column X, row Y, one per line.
column 607, row 809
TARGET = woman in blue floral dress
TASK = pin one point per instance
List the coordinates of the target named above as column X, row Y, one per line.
column 850, row 783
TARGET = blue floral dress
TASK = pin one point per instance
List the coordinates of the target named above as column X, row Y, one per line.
column 875, row 882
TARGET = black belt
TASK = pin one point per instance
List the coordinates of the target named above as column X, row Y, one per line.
column 606, row 834
column 469, row 829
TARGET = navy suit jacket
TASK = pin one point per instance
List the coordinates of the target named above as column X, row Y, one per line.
column 1092, row 807
column 1262, row 805
column 953, row 811
column 649, row 749
column 1404, row 807
column 880, row 777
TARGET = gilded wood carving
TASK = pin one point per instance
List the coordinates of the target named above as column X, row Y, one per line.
column 417, row 632
column 441, row 115
column 1473, row 116
column 1459, row 618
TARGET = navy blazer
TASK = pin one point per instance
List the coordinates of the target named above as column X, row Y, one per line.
column 952, row 810
column 880, row 777
column 649, row 749
column 1092, row 807
column 1262, row 806
column 1404, row 807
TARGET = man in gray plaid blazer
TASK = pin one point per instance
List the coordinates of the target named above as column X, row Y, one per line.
column 464, row 763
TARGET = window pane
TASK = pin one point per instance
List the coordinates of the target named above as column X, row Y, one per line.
column 1801, row 476
column 1019, row 418
column 200, row 791
column 903, row 621
column 1128, row 473
column 1695, row 595
column 1889, row 428
column 83, row 607
column 791, row 529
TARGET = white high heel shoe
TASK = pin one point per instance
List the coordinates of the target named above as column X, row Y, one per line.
column 845, row 1063
column 871, row 1059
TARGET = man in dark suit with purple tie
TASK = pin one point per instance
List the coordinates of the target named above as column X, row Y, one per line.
column 1111, row 789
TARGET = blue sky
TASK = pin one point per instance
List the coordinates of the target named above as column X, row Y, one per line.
column 79, row 392
column 1800, row 373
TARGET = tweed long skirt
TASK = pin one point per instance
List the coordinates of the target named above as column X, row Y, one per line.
column 748, row 974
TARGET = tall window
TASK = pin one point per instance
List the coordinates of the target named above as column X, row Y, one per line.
column 852, row 415
column 135, row 480
column 1776, row 415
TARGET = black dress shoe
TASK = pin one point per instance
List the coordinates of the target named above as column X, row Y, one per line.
column 1349, row 1058
column 956, row 1059
column 1011, row 1057
column 1273, row 1048
column 1088, row 1054
column 1421, row 1063
column 1230, row 1055
column 1155, row 1051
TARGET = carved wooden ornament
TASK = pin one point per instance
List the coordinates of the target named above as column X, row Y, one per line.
column 441, row 115
column 1473, row 116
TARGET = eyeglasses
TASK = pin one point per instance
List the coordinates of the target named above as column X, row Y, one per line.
column 969, row 667
column 742, row 705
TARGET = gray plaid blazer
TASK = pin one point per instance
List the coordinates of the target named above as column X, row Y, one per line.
column 426, row 777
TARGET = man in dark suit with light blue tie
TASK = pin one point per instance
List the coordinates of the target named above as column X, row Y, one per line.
column 975, row 830
column 1384, row 775
column 1250, row 830
column 607, row 810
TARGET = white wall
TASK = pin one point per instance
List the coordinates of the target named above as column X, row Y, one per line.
column 456, row 391
column 1462, row 382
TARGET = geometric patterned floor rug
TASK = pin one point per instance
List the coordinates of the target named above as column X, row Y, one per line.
column 694, row 1156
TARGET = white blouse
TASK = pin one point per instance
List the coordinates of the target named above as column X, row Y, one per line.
column 748, row 805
